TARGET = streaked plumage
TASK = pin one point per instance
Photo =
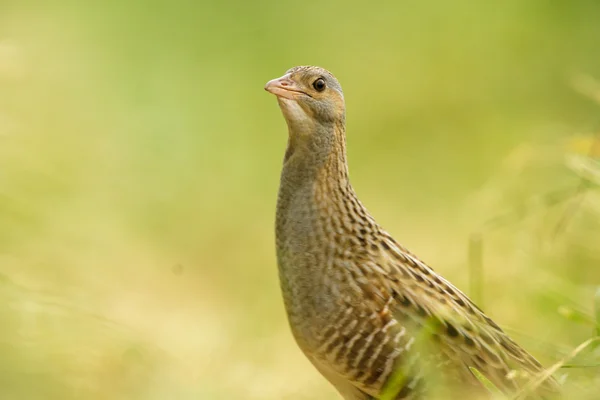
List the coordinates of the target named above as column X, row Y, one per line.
column 357, row 300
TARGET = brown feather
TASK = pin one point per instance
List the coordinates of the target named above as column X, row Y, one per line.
column 358, row 301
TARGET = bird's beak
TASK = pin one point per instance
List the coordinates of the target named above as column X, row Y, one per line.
column 284, row 87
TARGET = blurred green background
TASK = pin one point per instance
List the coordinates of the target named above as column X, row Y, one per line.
column 140, row 158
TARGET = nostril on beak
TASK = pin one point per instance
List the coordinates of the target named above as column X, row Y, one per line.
column 282, row 83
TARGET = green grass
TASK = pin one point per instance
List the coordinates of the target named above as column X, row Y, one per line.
column 139, row 166
column 485, row 382
column 597, row 310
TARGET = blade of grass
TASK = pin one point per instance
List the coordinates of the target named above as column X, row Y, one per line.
column 534, row 383
column 587, row 86
column 581, row 366
column 496, row 393
column 597, row 310
column 576, row 316
column 398, row 379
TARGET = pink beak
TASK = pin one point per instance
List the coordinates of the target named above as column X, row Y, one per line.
column 284, row 87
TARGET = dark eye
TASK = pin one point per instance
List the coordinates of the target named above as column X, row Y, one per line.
column 319, row 85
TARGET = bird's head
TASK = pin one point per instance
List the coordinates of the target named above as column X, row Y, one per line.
column 310, row 98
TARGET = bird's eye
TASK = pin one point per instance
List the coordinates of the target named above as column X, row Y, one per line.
column 319, row 85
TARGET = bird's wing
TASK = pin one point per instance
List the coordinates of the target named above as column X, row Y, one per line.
column 390, row 300
column 462, row 330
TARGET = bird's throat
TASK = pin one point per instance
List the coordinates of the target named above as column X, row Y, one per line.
column 314, row 176
column 313, row 155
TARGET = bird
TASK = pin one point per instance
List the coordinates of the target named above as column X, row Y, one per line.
column 375, row 320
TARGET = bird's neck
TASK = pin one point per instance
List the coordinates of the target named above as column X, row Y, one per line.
column 312, row 193
column 315, row 167
column 316, row 204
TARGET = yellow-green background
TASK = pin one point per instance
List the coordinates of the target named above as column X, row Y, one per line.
column 139, row 165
